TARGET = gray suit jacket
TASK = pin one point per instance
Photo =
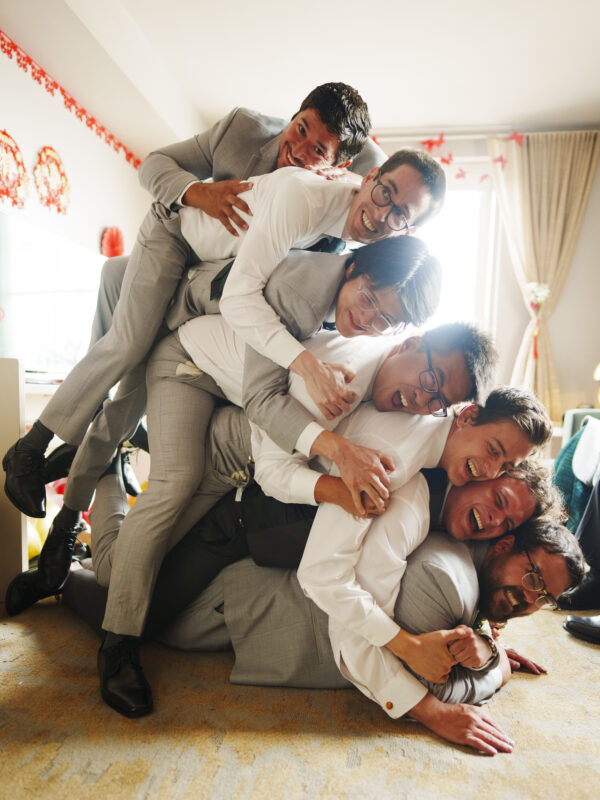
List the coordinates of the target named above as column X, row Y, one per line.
column 302, row 290
column 280, row 637
column 242, row 144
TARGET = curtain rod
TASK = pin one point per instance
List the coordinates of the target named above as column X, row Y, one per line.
column 387, row 135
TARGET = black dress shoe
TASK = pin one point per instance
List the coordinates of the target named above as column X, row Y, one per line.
column 55, row 559
column 584, row 596
column 123, row 685
column 586, row 628
column 25, row 590
column 130, row 482
column 58, row 463
column 24, row 484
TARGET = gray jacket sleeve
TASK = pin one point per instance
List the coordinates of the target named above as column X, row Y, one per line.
column 435, row 596
column 166, row 172
column 370, row 156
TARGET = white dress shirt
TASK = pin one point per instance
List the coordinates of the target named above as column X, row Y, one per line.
column 352, row 568
column 291, row 207
column 217, row 350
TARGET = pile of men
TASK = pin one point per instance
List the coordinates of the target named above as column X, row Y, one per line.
column 300, row 456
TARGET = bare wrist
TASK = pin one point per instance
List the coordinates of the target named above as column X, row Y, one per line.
column 193, row 194
column 303, row 364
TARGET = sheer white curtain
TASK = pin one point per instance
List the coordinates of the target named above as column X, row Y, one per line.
column 543, row 192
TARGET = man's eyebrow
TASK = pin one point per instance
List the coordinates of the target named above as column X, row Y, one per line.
column 304, row 122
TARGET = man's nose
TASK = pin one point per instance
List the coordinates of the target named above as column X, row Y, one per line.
column 379, row 213
column 495, row 517
column 366, row 317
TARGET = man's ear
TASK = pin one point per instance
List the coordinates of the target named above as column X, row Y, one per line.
column 504, row 544
column 412, row 343
column 343, row 165
column 467, row 416
column 370, row 175
column 349, row 270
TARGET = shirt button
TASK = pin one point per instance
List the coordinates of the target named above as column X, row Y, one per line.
column 389, row 705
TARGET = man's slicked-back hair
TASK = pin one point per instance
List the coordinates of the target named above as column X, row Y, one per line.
column 477, row 348
column 554, row 539
column 518, row 406
column 548, row 498
column 345, row 114
column 404, row 264
column 432, row 174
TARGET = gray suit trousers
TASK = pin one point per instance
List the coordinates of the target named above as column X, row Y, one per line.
column 153, row 271
column 119, row 417
column 180, row 404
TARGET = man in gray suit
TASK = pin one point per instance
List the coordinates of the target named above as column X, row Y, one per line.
column 253, row 610
column 331, row 127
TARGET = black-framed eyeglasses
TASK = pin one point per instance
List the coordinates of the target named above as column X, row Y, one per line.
column 534, row 582
column 429, row 384
column 381, row 323
column 381, row 196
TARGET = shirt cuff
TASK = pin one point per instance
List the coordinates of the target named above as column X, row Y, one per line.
column 307, row 438
column 302, row 487
column 179, row 200
column 400, row 695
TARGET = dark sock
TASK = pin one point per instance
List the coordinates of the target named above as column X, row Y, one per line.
column 38, row 438
column 140, row 438
column 66, row 518
column 111, row 639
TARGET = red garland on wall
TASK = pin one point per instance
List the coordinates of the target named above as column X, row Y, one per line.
column 51, row 181
column 39, row 75
column 14, row 180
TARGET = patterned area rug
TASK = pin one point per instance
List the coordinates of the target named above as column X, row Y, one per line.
column 208, row 739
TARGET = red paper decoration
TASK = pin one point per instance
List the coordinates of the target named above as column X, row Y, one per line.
column 14, row 180
column 112, row 242
column 51, row 181
column 516, row 137
column 40, row 76
column 431, row 143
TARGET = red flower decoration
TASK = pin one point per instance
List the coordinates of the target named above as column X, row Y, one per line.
column 14, row 180
column 112, row 242
column 51, row 181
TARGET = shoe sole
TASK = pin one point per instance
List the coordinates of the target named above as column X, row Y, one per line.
column 142, row 712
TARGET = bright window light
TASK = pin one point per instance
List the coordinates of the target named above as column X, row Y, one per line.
column 456, row 238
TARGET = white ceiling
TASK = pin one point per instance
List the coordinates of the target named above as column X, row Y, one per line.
column 154, row 71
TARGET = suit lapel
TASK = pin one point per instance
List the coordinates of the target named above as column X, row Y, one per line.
column 265, row 160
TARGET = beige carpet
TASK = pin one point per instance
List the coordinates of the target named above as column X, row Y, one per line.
column 208, row 739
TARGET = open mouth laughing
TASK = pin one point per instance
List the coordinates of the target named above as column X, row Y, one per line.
column 477, row 524
column 515, row 600
column 367, row 222
column 399, row 400
column 289, row 158
column 472, row 468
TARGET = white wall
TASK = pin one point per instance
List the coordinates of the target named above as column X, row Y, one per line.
column 49, row 262
column 104, row 188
